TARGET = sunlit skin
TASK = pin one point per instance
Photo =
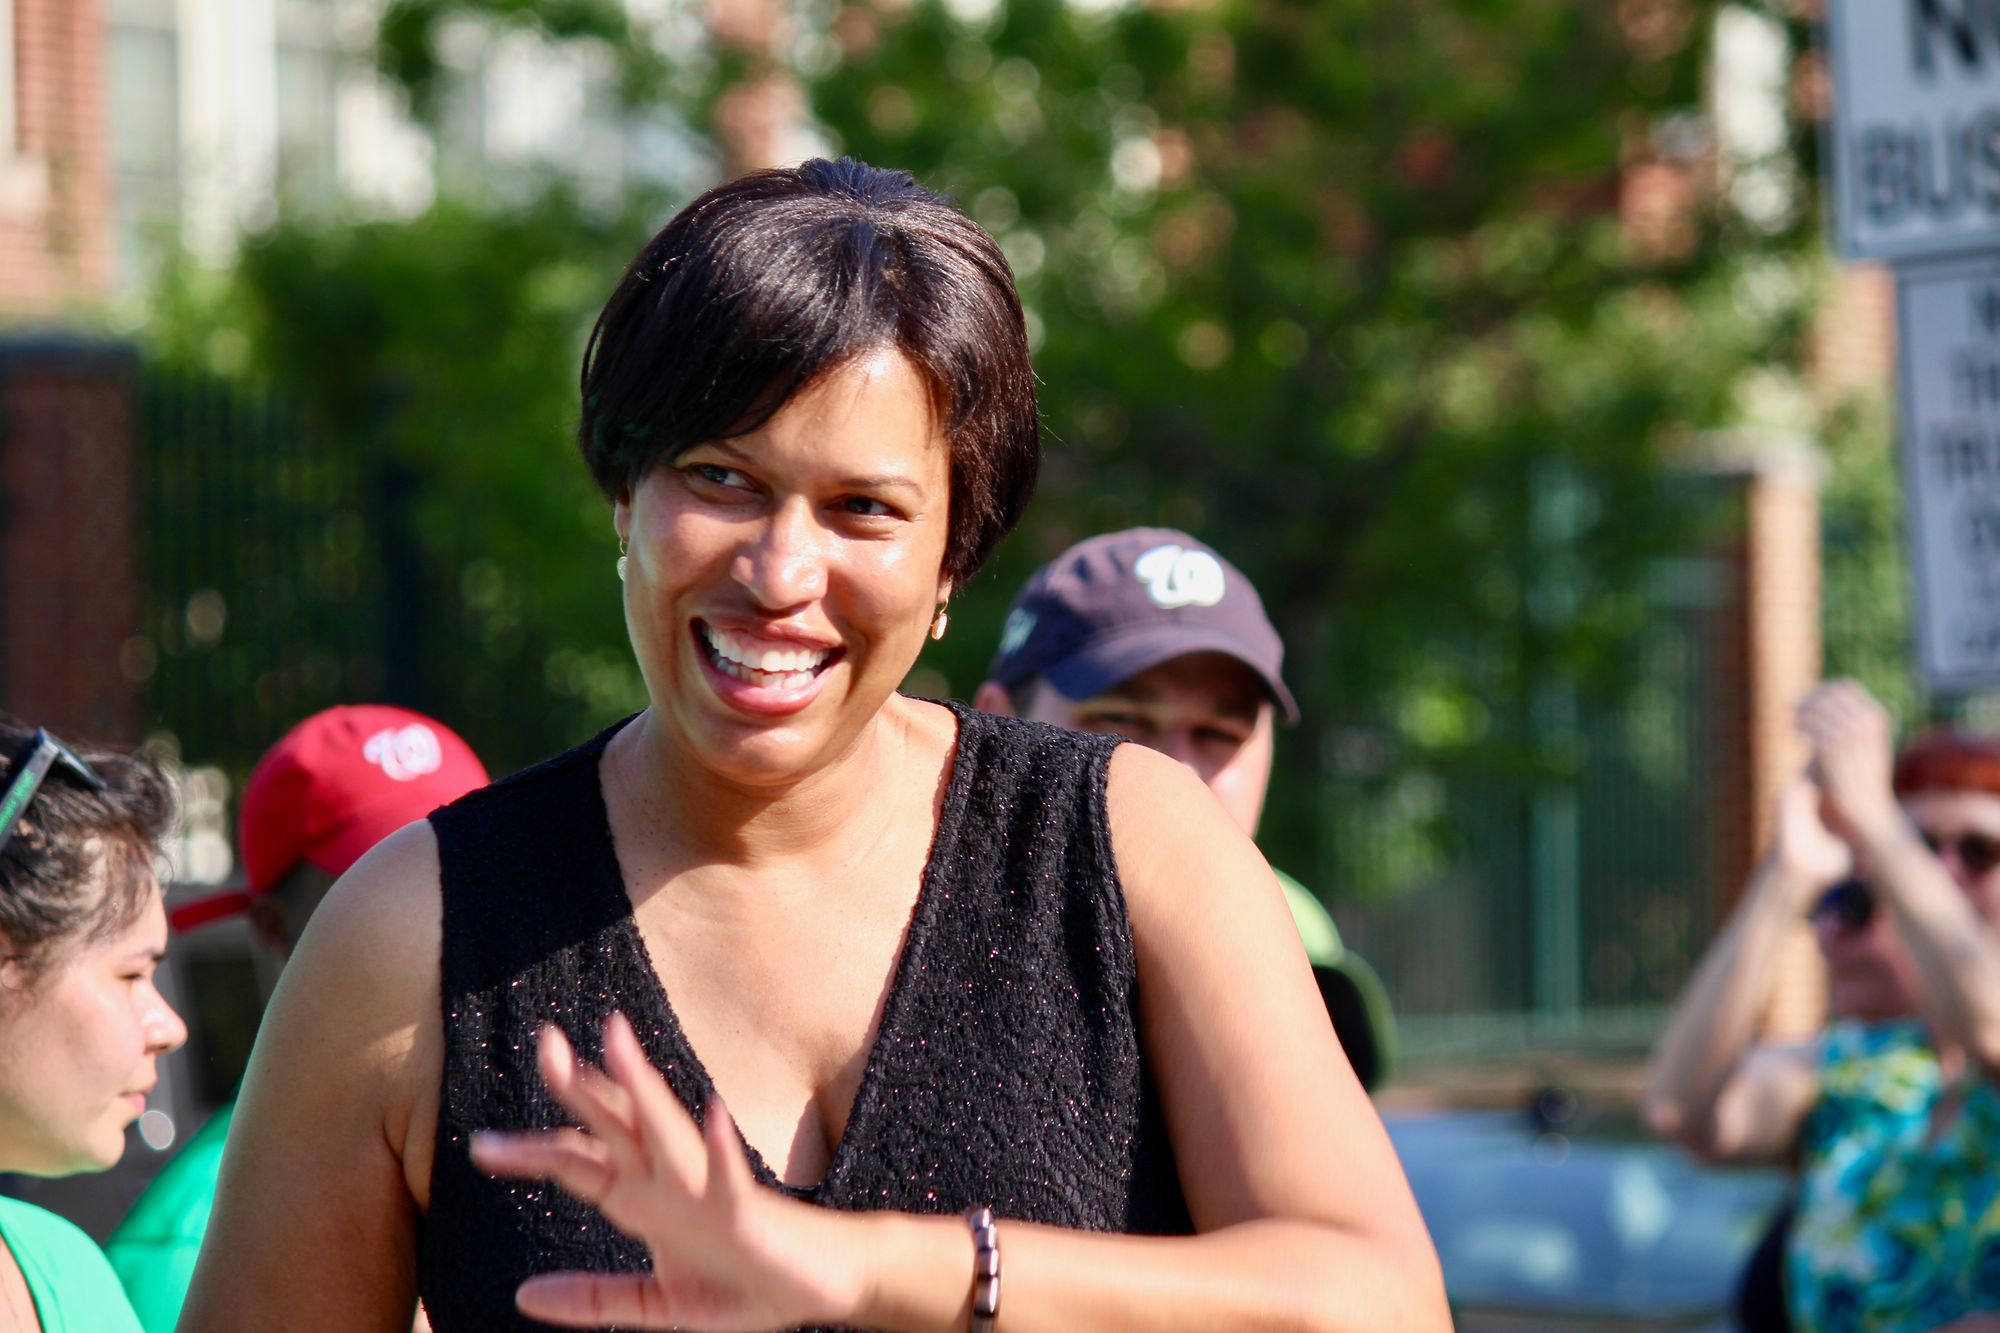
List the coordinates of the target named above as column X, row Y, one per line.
column 1207, row 710
column 1870, row 975
column 80, row 1038
column 823, row 529
column 1947, row 817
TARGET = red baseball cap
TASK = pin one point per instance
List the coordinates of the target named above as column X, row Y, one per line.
column 334, row 786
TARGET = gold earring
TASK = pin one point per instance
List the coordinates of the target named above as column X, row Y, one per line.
column 621, row 559
column 939, row 621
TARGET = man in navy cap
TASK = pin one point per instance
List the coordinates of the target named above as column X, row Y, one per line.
column 1151, row 635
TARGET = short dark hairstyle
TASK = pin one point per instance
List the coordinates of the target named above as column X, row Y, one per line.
column 49, row 889
column 761, row 286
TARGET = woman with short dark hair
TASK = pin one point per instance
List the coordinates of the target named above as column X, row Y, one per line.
column 82, row 928
column 969, row 986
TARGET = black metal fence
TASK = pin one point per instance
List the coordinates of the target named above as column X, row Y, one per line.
column 279, row 578
column 262, row 580
column 1567, row 910
column 283, row 571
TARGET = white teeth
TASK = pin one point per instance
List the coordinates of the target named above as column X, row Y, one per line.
column 794, row 680
column 755, row 666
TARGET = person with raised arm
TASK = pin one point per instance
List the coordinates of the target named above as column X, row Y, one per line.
column 1892, row 1112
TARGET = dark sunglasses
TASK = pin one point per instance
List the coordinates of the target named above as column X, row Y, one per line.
column 1847, row 904
column 1977, row 852
column 31, row 765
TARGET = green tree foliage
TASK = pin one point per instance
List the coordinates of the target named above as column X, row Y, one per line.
column 1344, row 288
column 411, row 33
column 1866, row 577
column 435, row 359
column 1339, row 285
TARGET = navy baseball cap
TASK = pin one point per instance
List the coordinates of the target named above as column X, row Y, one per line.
column 1113, row 606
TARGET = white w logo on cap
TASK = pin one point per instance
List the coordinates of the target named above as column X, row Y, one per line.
column 1175, row 576
column 404, row 752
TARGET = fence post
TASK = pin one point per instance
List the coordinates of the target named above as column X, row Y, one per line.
column 68, row 519
column 1554, row 832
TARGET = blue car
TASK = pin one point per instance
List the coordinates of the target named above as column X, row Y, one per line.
column 1557, row 1223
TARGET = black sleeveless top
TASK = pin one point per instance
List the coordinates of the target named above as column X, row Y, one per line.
column 1007, row 1070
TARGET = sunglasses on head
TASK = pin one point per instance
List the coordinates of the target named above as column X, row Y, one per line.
column 41, row 753
column 1977, row 852
column 1847, row 904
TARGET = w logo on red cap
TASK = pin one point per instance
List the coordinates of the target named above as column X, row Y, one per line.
column 404, row 753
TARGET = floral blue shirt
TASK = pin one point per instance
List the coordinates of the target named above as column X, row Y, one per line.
column 1896, row 1232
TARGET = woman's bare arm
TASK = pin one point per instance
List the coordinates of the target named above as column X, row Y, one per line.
column 1304, row 1215
column 1309, row 1221
column 1710, row 1087
column 315, row 1224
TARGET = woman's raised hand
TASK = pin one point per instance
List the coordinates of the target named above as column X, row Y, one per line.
column 1854, row 754
column 1810, row 854
column 728, row 1255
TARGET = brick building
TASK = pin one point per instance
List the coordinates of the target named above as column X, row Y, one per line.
column 55, row 179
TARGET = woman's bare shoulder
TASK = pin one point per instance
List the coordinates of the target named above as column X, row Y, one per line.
column 361, row 992
column 929, row 732
column 381, row 922
column 338, row 1108
column 1172, row 837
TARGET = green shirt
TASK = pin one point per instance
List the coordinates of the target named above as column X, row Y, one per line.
column 75, row 1290
column 1898, row 1223
column 1354, row 995
column 1316, row 928
column 154, row 1249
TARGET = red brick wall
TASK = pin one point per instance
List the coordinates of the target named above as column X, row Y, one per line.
column 55, row 198
column 1853, row 341
column 68, row 557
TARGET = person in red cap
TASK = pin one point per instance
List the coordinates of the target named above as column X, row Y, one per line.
column 334, row 786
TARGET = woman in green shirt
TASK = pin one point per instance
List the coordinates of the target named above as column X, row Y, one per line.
column 82, row 928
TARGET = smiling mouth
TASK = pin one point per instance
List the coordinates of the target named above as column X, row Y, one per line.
column 740, row 658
